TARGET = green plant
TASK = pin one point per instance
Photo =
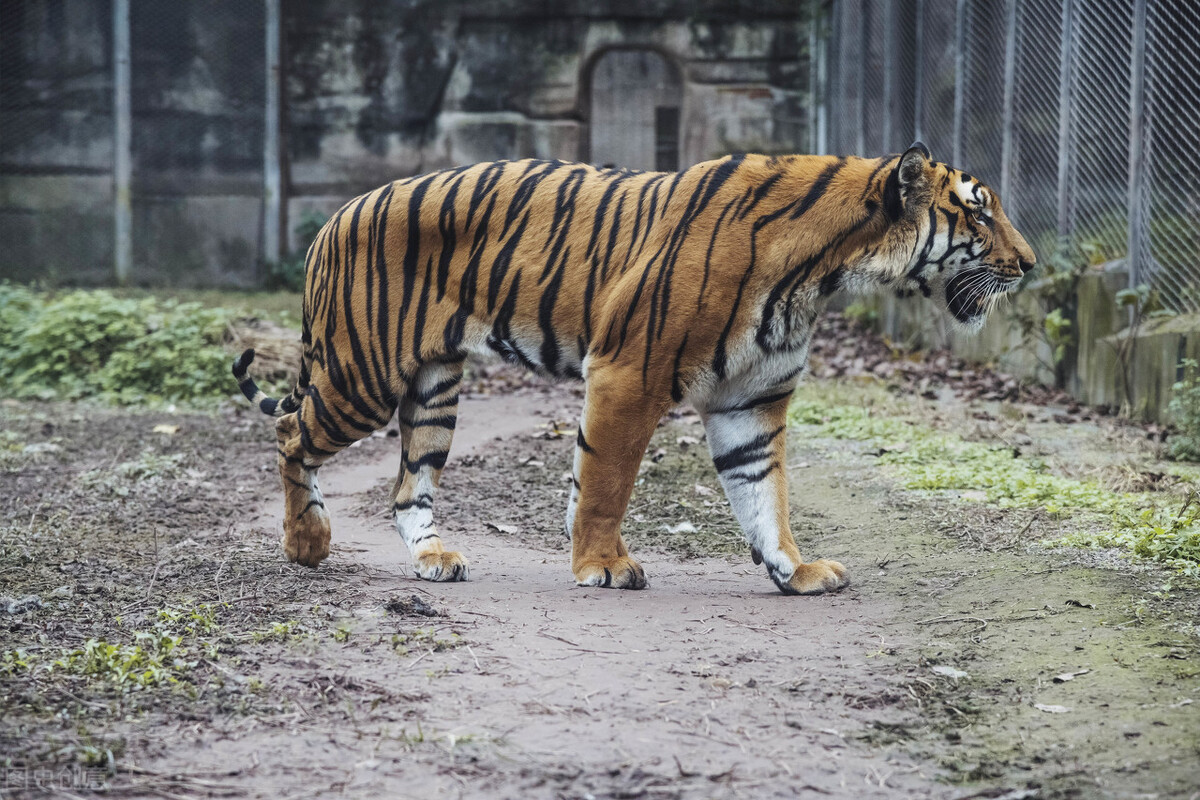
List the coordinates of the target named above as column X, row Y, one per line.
column 149, row 661
column 926, row 459
column 93, row 343
column 861, row 314
column 1058, row 334
column 1160, row 534
column 1184, row 444
column 1143, row 303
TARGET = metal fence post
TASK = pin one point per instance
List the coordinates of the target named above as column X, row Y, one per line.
column 272, row 181
column 960, row 79
column 918, row 73
column 122, row 136
column 889, row 68
column 817, row 53
column 1136, row 235
column 1064, row 124
column 860, row 100
column 1006, row 125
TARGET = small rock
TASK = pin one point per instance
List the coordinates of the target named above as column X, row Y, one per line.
column 949, row 672
column 19, row 605
column 412, row 606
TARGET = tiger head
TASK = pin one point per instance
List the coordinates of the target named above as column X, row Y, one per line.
column 962, row 250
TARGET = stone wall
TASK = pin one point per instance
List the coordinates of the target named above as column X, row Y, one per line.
column 399, row 87
column 372, row 90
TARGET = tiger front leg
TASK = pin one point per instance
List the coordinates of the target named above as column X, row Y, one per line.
column 306, row 528
column 618, row 419
column 428, row 415
column 747, row 439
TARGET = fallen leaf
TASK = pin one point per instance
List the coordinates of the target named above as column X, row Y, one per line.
column 704, row 491
column 682, row 527
column 1080, row 604
column 510, row 529
column 1051, row 709
column 686, row 441
column 1070, row 676
column 169, row 430
column 949, row 672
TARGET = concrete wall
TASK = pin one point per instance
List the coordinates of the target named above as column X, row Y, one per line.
column 372, row 90
column 56, row 125
column 399, row 87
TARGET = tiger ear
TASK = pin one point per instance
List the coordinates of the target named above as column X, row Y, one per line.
column 911, row 170
column 911, row 173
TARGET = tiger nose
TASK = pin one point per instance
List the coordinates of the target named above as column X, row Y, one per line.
column 1024, row 264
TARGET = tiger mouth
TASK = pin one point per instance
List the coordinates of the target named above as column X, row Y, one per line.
column 971, row 293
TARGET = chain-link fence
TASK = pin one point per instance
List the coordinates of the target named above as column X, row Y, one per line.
column 1082, row 113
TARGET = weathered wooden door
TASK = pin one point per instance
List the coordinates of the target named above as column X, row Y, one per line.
column 634, row 116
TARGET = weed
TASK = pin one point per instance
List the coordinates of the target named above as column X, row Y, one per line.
column 1161, row 534
column 124, row 350
column 277, row 632
column 1185, row 411
column 424, row 639
column 151, row 660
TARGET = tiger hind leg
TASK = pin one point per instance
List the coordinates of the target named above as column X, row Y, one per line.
column 428, row 415
column 306, row 439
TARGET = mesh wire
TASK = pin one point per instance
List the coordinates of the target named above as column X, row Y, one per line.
column 1099, row 177
column 1060, row 150
column 937, row 76
column 983, row 97
column 1032, row 196
column 1172, row 153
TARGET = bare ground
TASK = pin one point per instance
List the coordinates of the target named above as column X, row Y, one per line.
column 921, row 680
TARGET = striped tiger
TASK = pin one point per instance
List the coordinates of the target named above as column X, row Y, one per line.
column 654, row 288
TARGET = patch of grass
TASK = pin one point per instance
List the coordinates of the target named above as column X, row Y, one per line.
column 930, row 460
column 424, row 639
column 282, row 307
column 1163, row 534
column 160, row 655
column 154, row 658
column 120, row 348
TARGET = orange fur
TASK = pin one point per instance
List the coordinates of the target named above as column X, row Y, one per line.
column 654, row 287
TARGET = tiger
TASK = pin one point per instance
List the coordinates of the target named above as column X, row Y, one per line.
column 653, row 288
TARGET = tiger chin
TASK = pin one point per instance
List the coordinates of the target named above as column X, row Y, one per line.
column 655, row 289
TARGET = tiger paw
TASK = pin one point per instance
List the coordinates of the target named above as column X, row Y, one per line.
column 442, row 566
column 306, row 540
column 817, row 577
column 618, row 573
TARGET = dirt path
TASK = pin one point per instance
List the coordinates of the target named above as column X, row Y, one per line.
column 928, row 670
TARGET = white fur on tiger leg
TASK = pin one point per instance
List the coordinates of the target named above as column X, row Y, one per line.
column 413, row 509
column 747, row 444
column 429, row 413
column 573, row 500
